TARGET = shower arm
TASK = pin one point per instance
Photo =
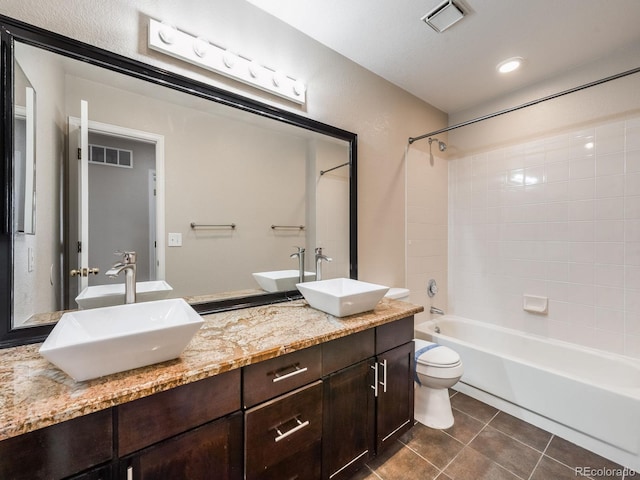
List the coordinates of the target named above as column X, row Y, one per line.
column 527, row 104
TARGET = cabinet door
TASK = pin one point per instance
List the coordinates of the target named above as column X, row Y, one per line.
column 349, row 409
column 210, row 452
column 395, row 394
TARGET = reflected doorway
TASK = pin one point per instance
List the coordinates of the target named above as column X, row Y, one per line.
column 125, row 203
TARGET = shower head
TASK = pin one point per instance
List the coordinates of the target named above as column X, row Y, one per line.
column 441, row 145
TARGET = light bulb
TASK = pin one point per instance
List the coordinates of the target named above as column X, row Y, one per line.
column 278, row 78
column 229, row 59
column 200, row 46
column 167, row 33
column 254, row 69
column 299, row 87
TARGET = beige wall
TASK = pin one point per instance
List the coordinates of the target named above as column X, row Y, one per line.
column 339, row 93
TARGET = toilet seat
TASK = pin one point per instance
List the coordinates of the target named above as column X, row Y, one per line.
column 436, row 361
column 434, row 355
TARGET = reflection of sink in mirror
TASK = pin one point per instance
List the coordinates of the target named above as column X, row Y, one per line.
column 113, row 294
column 281, row 280
column 342, row 296
column 92, row 343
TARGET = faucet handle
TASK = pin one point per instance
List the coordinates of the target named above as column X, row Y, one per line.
column 127, row 257
column 300, row 249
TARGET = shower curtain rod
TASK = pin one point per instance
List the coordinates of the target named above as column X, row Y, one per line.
column 527, row 104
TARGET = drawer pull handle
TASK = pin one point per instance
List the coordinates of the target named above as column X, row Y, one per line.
column 300, row 425
column 129, row 473
column 297, row 371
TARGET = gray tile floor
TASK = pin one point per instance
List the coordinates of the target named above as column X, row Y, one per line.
column 484, row 444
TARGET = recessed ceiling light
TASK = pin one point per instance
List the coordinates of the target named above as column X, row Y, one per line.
column 443, row 16
column 510, row 64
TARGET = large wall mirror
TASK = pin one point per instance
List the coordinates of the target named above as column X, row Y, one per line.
column 208, row 188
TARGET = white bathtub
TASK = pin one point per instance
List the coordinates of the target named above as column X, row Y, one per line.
column 589, row 397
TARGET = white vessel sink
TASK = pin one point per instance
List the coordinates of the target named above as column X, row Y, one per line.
column 88, row 344
column 113, row 294
column 342, row 296
column 281, row 280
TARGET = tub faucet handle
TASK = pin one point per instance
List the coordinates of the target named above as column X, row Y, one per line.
column 432, row 288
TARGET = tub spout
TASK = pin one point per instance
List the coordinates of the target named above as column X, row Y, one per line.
column 437, row 311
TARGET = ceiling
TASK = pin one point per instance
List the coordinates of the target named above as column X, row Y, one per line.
column 456, row 69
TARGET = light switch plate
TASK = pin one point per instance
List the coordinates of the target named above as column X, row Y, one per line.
column 175, row 240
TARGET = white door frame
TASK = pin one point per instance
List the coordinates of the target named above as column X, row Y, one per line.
column 158, row 141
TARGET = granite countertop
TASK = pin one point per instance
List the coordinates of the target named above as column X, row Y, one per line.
column 36, row 394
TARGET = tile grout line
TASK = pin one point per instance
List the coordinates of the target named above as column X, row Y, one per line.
column 465, row 445
column 373, row 471
column 541, row 457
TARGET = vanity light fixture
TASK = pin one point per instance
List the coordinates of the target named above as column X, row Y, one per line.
column 510, row 64
column 445, row 15
column 198, row 51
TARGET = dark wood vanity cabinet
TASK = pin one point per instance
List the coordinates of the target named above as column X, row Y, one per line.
column 190, row 431
column 370, row 403
column 211, row 451
column 320, row 412
column 59, row 451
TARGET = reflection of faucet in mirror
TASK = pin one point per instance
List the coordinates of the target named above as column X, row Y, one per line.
column 128, row 264
column 319, row 258
column 300, row 255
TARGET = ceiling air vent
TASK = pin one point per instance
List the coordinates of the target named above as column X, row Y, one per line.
column 443, row 16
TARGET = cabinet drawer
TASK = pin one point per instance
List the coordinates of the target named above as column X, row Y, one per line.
column 304, row 465
column 391, row 335
column 268, row 379
column 347, row 351
column 59, row 450
column 154, row 418
column 282, row 427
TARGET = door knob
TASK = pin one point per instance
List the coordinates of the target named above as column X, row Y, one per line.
column 84, row 272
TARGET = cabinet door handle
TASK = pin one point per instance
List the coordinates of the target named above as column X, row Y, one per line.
column 375, row 379
column 300, row 425
column 297, row 371
column 129, row 473
column 384, row 375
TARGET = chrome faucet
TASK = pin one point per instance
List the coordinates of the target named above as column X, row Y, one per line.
column 319, row 258
column 436, row 311
column 128, row 264
column 300, row 255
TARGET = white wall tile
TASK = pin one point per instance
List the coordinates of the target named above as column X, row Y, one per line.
column 611, row 164
column 561, row 220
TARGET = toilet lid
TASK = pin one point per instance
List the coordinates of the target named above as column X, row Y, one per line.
column 432, row 354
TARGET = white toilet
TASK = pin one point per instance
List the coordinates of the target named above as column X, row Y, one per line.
column 437, row 368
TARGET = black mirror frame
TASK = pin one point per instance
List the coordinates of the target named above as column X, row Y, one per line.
column 11, row 29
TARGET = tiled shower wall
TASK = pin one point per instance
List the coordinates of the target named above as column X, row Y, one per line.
column 426, row 233
column 557, row 217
